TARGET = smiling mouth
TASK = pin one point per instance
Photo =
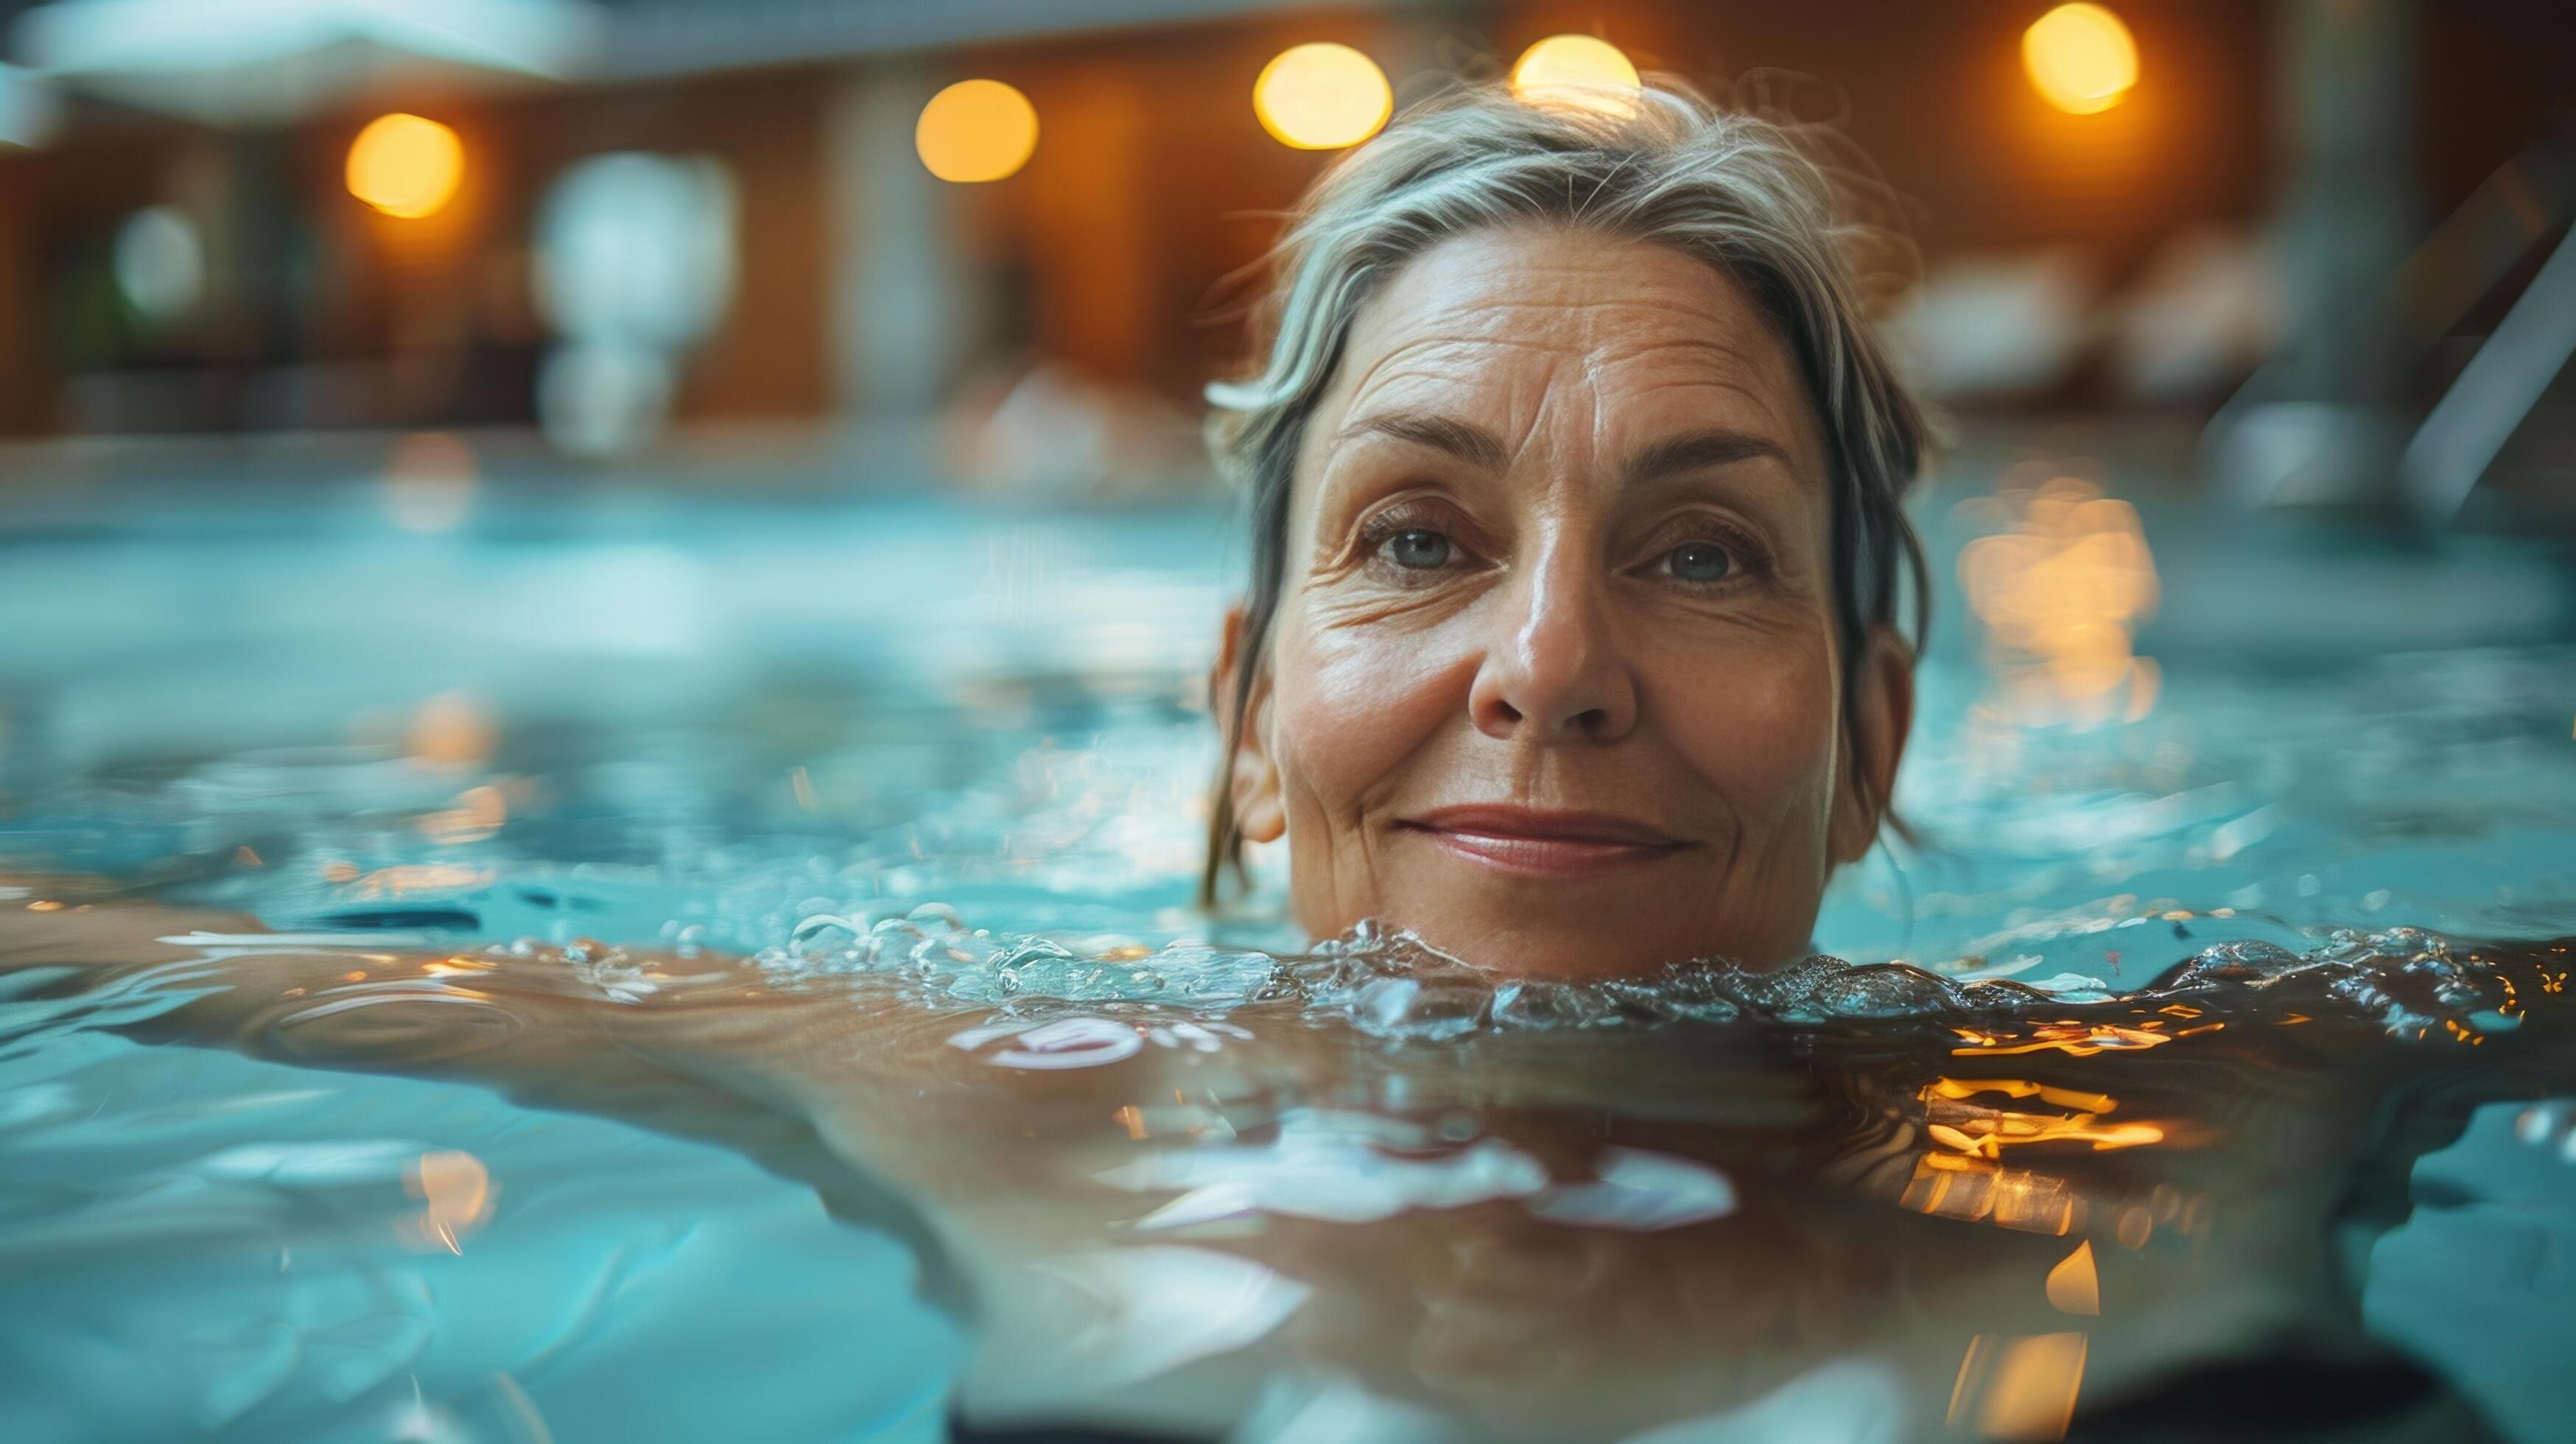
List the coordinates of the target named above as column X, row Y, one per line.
column 1534, row 843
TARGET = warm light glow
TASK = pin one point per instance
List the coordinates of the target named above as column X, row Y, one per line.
column 2019, row 1386
column 976, row 130
column 2062, row 595
column 452, row 730
column 405, row 879
column 2081, row 58
column 2075, row 1285
column 1578, row 72
column 1322, row 97
column 2073, row 1039
column 456, row 1194
column 478, row 813
column 1988, row 1137
column 2074, row 1098
column 406, row 166
column 1972, row 1189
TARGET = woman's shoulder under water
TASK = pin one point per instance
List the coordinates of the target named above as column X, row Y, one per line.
column 1510, row 1181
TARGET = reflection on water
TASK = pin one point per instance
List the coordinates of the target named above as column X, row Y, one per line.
column 452, row 730
column 457, row 1191
column 2022, row 1387
column 2061, row 583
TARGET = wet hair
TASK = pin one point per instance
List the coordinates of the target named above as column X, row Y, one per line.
column 1737, row 190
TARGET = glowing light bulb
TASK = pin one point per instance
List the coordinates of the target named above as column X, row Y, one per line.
column 2080, row 58
column 976, row 130
column 1577, row 72
column 405, row 165
column 1322, row 97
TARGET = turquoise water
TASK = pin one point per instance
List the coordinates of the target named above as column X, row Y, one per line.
column 738, row 981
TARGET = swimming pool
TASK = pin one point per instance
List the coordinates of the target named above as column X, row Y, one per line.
column 879, row 741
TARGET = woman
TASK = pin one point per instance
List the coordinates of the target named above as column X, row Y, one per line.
column 1574, row 470
column 1573, row 639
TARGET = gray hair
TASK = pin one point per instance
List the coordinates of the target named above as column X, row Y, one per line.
column 1731, row 188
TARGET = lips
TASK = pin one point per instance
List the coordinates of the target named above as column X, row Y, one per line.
column 1541, row 843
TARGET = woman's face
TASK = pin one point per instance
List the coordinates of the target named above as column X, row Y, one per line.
column 1554, row 678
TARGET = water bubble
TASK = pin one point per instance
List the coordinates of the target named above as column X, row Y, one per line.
column 939, row 914
column 1550, row 1005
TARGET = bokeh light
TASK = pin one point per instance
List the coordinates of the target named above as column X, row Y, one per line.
column 1578, row 72
column 406, row 165
column 452, row 730
column 2062, row 594
column 429, row 482
column 1322, row 97
column 976, row 130
column 456, row 1193
column 2080, row 58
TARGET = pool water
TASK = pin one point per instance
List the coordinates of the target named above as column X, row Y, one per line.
column 690, row 968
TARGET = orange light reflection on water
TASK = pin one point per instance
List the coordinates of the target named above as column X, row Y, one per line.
column 1970, row 1189
column 456, row 1193
column 404, row 879
column 1982, row 1131
column 2020, row 1088
column 478, row 813
column 2074, row 1039
column 2075, row 1285
column 452, row 730
column 2019, row 1386
column 2061, row 591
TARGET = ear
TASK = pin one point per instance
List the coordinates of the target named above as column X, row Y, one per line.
column 1252, row 776
column 1880, row 719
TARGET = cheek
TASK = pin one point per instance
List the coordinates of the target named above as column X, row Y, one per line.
column 1349, row 707
column 1759, row 721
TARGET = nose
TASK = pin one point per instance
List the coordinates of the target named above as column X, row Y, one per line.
column 1553, row 671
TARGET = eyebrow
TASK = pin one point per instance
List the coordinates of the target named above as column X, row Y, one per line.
column 1465, row 440
column 1473, row 444
column 1695, row 450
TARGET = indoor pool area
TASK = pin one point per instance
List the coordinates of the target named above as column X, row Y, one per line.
column 1287, row 722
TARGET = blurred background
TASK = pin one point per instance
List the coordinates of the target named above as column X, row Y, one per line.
column 784, row 230
column 778, row 414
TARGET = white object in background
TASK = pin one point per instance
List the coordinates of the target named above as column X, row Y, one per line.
column 636, row 260
column 30, row 112
column 1994, row 325
column 270, row 60
column 2202, row 317
column 603, row 398
column 1640, row 1191
column 2486, row 404
column 160, row 263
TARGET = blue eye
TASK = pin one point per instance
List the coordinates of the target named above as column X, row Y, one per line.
column 1699, row 562
column 1418, row 548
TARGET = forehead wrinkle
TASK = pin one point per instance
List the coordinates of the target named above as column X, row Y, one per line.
column 1748, row 364
column 1506, row 401
column 1701, row 333
column 1408, row 354
column 1763, row 402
